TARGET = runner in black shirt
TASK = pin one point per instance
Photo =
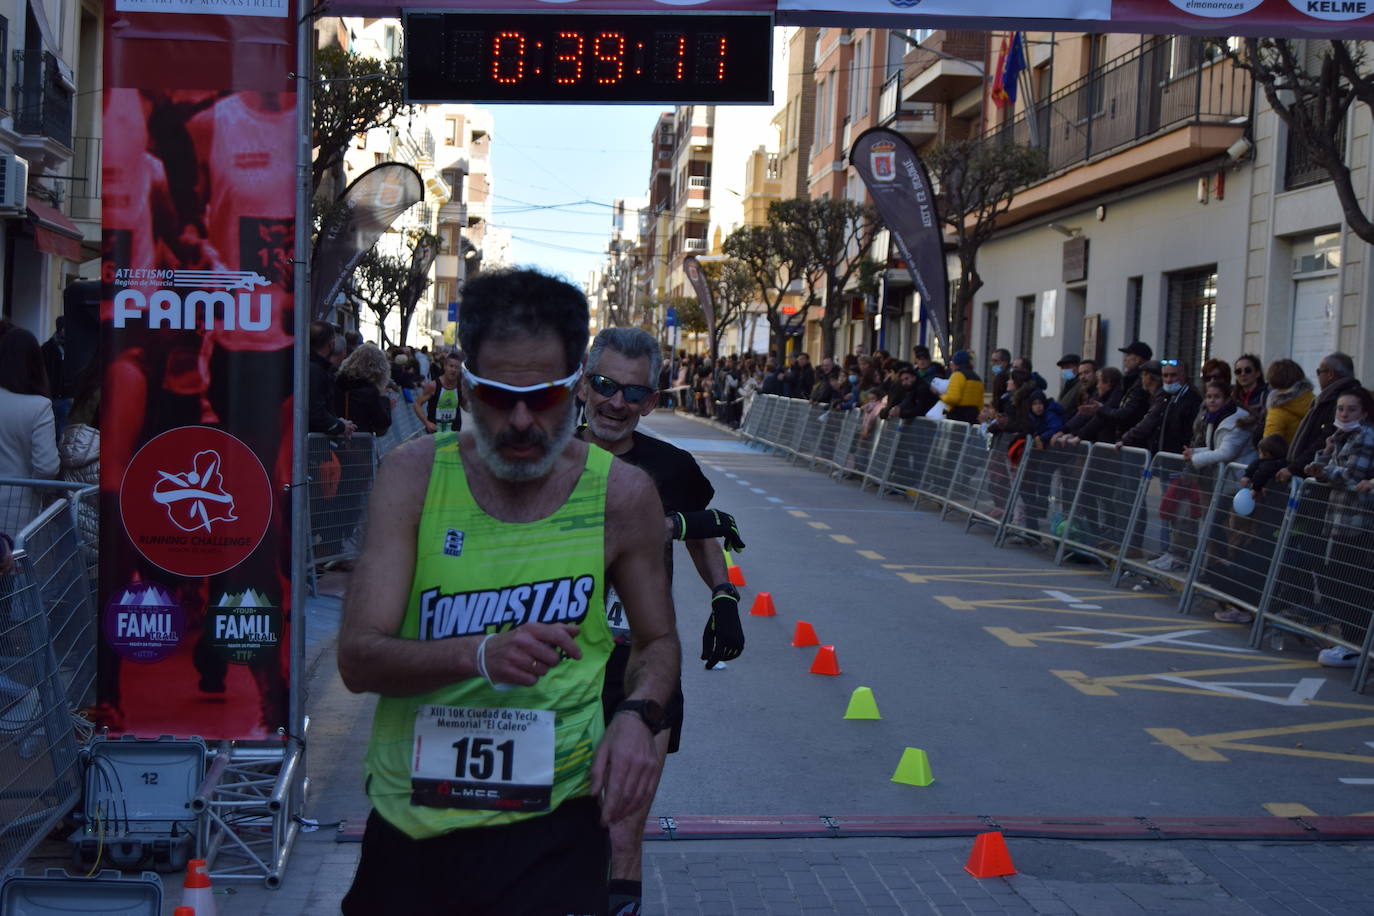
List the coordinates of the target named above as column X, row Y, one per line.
column 618, row 391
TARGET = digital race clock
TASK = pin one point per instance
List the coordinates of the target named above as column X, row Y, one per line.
column 560, row 57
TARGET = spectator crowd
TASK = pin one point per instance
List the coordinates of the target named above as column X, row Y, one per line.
column 1273, row 420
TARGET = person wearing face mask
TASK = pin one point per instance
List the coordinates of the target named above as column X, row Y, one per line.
column 1068, row 375
column 1168, row 423
column 1336, row 376
column 1346, row 464
column 998, row 363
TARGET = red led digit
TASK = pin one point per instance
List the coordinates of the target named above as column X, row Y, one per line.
column 669, row 57
column 508, row 66
column 720, row 65
column 609, row 49
column 569, row 47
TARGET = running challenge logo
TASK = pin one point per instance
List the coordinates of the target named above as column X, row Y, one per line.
column 562, row 600
column 222, row 299
column 196, row 501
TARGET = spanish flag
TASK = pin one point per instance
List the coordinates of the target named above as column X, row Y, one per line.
column 1011, row 60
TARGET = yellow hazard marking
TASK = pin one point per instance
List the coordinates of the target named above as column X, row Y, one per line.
column 819, row 526
column 1120, row 637
column 1289, row 809
column 956, row 604
column 1187, row 746
column 842, row 539
column 870, row 555
column 1084, row 684
column 913, row 578
column 797, row 513
column 1011, row 637
column 1205, row 747
column 1151, row 681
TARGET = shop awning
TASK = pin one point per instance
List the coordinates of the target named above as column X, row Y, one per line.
column 53, row 232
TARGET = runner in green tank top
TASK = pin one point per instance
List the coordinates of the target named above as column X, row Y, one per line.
column 439, row 402
column 476, row 612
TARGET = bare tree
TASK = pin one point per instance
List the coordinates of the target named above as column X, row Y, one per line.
column 353, row 95
column 836, row 236
column 732, row 288
column 377, row 283
column 773, row 261
column 424, row 248
column 975, row 182
column 1311, row 86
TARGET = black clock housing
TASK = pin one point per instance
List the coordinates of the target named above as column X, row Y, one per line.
column 564, row 57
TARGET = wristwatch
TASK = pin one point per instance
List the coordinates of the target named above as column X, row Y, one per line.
column 649, row 712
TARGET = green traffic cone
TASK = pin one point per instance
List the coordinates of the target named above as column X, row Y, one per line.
column 914, row 768
column 862, row 705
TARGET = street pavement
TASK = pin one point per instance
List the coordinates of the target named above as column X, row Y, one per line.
column 1137, row 760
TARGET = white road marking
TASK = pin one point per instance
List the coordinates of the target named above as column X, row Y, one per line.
column 728, row 474
column 774, row 499
column 757, row 490
column 1299, row 694
column 744, row 483
column 1131, row 640
column 1357, row 781
column 1071, row 601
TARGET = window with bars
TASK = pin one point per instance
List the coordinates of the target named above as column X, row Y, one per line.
column 1191, row 317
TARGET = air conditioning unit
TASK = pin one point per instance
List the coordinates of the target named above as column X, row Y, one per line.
column 14, row 182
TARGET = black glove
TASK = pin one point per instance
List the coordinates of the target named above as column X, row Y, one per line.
column 708, row 523
column 723, row 638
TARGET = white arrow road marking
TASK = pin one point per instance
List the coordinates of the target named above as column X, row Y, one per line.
column 1305, row 689
column 1071, row 601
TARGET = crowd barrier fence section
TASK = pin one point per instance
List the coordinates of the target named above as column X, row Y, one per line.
column 342, row 472
column 47, row 667
column 1302, row 562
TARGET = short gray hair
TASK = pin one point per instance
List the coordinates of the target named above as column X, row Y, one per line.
column 1341, row 364
column 631, row 343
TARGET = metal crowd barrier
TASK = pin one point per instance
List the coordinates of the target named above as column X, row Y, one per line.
column 342, row 472
column 47, row 666
column 1299, row 562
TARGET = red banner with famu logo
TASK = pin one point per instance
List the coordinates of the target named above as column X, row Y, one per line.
column 199, row 225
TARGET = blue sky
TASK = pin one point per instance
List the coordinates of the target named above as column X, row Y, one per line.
column 557, row 168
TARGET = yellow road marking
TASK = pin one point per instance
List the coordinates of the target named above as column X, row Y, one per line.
column 819, row 526
column 1084, row 684
column 842, row 539
column 870, row 555
column 912, row 577
column 956, row 604
column 1186, row 745
column 797, row 513
column 1205, row 747
column 1011, row 637
column 1289, row 809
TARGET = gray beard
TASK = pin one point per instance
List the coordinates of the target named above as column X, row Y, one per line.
column 621, row 433
column 488, row 448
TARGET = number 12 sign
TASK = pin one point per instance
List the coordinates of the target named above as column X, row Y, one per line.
column 592, row 58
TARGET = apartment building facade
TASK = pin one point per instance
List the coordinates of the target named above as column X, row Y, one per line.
column 49, row 155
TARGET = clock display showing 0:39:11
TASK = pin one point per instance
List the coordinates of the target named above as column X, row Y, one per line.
column 587, row 57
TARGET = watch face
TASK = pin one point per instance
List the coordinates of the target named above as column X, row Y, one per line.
column 652, row 714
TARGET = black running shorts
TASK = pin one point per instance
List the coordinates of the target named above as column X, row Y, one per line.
column 554, row 865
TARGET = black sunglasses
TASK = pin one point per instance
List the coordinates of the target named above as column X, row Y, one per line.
column 607, row 387
column 1245, row 370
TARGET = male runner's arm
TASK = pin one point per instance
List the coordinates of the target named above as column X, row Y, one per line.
column 371, row 657
column 626, row 769
column 709, row 560
column 418, row 405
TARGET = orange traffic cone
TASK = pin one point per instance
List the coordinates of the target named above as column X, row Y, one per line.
column 804, row 635
column 763, row 605
column 196, row 894
column 989, row 858
column 825, row 662
column 736, row 576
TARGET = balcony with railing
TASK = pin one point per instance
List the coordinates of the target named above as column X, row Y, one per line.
column 1143, row 115
column 42, row 98
column 947, row 65
column 1300, row 168
column 913, row 120
column 693, row 245
column 83, row 191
